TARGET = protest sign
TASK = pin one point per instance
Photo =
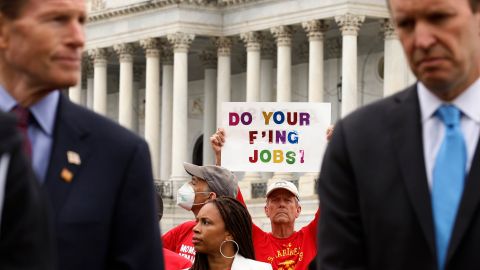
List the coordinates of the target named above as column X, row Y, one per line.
column 274, row 136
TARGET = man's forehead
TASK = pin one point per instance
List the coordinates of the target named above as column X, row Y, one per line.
column 280, row 192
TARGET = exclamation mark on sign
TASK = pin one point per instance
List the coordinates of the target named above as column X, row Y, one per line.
column 302, row 153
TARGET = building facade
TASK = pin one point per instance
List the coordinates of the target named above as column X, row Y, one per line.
column 163, row 67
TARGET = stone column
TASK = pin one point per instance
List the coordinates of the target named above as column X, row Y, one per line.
column 99, row 57
column 266, row 71
column 315, row 32
column 181, row 43
column 125, row 107
column 138, row 72
column 283, row 37
column 349, row 25
column 75, row 91
column 152, row 101
column 209, row 59
column 253, row 44
column 224, row 45
column 167, row 107
column 88, row 73
column 396, row 69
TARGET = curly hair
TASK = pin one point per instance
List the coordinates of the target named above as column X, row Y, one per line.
column 238, row 222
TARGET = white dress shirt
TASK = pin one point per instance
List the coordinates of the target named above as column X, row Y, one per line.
column 434, row 129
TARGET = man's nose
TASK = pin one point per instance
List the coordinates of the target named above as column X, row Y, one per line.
column 76, row 34
column 424, row 36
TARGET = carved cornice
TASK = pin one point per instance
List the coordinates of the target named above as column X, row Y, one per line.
column 252, row 40
column 224, row 45
column 388, row 30
column 315, row 29
column 180, row 41
column 99, row 13
column 283, row 35
column 125, row 51
column 349, row 23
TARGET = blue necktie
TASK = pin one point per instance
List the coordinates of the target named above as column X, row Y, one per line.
column 448, row 179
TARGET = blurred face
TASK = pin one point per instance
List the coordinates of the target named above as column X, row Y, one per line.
column 441, row 42
column 202, row 193
column 282, row 207
column 44, row 44
column 209, row 232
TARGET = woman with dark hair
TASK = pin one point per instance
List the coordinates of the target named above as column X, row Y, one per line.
column 223, row 237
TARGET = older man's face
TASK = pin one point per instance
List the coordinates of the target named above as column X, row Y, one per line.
column 441, row 41
column 44, row 44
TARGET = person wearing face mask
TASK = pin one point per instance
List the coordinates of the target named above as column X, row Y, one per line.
column 208, row 182
column 223, row 237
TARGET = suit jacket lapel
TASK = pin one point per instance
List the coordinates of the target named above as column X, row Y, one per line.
column 69, row 135
column 406, row 129
column 468, row 205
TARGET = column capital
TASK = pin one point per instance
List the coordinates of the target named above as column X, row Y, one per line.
column 125, row 51
column 388, row 30
column 98, row 55
column 209, row 59
column 268, row 49
column 349, row 23
column 151, row 46
column 315, row 29
column 283, row 35
column 224, row 45
column 180, row 41
column 87, row 66
column 167, row 55
column 252, row 40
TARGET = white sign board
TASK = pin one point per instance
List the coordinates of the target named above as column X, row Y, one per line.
column 274, row 136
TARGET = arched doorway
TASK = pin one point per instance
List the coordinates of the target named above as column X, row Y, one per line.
column 197, row 157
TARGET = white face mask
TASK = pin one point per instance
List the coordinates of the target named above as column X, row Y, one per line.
column 186, row 197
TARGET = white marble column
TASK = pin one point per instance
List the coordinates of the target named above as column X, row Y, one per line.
column 99, row 57
column 209, row 59
column 349, row 26
column 396, row 69
column 266, row 71
column 283, row 37
column 167, row 107
column 315, row 31
column 224, row 45
column 181, row 43
column 75, row 91
column 138, row 72
column 152, row 101
column 125, row 107
column 253, row 43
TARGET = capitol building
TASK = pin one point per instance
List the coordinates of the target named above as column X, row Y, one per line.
column 162, row 68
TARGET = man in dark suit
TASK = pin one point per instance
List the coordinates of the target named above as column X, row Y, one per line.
column 97, row 174
column 25, row 227
column 400, row 181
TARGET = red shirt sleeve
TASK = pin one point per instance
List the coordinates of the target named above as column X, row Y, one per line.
column 170, row 239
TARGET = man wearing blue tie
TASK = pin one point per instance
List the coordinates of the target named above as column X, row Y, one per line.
column 400, row 181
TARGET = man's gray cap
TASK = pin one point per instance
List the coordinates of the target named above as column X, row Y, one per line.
column 220, row 180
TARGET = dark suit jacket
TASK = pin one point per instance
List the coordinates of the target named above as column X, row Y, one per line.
column 375, row 200
column 105, row 218
column 26, row 235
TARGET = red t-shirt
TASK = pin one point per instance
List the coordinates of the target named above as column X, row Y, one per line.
column 173, row 261
column 292, row 253
column 179, row 240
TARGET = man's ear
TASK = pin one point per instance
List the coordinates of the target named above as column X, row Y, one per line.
column 266, row 211
column 299, row 210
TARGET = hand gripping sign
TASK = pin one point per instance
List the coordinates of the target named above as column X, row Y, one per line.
column 274, row 136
